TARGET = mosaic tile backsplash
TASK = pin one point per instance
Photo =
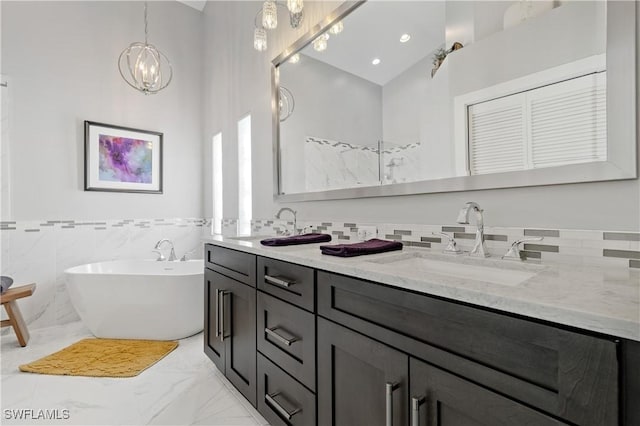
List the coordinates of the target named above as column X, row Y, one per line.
column 557, row 246
column 40, row 251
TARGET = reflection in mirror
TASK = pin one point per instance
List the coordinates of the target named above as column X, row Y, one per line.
column 424, row 90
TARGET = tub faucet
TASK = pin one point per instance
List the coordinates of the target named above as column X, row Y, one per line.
column 172, row 255
column 479, row 248
column 295, row 221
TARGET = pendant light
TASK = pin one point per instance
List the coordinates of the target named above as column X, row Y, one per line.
column 143, row 66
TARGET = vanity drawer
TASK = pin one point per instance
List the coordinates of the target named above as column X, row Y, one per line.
column 293, row 283
column 565, row 373
column 234, row 264
column 282, row 400
column 287, row 336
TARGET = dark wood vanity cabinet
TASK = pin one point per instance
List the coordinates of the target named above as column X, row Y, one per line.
column 336, row 350
column 444, row 399
column 230, row 329
column 360, row 381
column 364, row 382
column 568, row 375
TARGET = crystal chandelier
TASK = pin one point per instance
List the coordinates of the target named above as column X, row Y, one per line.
column 269, row 15
column 143, row 66
column 267, row 19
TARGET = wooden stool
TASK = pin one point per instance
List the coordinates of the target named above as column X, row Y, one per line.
column 8, row 300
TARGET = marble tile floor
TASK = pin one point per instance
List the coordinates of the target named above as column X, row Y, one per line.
column 184, row 388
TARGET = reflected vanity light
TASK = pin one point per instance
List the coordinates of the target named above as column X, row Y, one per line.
column 336, row 28
column 320, row 44
column 294, row 59
column 375, row 61
column 405, row 38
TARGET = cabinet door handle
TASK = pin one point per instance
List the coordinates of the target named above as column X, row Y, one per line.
column 279, row 281
column 272, row 332
column 389, row 388
column 222, row 293
column 416, row 402
column 218, row 312
column 279, row 408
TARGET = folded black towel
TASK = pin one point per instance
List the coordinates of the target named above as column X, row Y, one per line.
column 297, row 239
column 358, row 249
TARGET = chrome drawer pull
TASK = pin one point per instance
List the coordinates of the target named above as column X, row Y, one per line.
column 222, row 294
column 279, row 281
column 279, row 408
column 389, row 388
column 272, row 332
column 218, row 312
column 416, row 402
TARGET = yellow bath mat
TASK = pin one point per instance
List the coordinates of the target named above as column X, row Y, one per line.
column 103, row 358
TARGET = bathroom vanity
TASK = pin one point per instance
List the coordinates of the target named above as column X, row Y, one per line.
column 316, row 340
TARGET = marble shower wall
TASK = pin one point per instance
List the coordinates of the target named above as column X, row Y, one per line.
column 402, row 163
column 40, row 251
column 332, row 165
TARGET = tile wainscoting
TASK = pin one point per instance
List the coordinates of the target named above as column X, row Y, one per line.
column 593, row 247
column 40, row 251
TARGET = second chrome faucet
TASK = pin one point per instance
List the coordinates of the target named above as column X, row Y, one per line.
column 479, row 248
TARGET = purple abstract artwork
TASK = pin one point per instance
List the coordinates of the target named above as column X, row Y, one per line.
column 124, row 159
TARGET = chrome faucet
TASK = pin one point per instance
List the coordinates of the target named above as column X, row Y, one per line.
column 479, row 248
column 514, row 252
column 172, row 255
column 452, row 246
column 295, row 220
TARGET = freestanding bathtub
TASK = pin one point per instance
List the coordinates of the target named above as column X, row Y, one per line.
column 139, row 299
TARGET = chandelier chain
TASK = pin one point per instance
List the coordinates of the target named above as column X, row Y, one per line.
column 146, row 24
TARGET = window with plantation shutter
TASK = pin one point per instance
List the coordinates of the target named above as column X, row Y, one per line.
column 555, row 125
column 497, row 135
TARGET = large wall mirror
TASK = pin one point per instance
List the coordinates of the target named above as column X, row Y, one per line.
column 390, row 98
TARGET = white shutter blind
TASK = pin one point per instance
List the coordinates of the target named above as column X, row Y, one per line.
column 563, row 123
column 569, row 122
column 497, row 135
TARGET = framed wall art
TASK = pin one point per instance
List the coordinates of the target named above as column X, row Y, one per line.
column 122, row 159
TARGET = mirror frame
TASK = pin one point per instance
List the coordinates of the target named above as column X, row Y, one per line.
column 622, row 156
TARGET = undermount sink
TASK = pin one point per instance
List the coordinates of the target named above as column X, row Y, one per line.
column 486, row 270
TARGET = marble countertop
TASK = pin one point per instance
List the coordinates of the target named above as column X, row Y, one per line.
column 601, row 299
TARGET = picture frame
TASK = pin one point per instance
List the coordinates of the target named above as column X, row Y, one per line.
column 122, row 159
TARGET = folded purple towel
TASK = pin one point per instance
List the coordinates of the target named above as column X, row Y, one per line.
column 357, row 249
column 297, row 239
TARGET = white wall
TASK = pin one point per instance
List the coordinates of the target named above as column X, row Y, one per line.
column 573, row 31
column 62, row 61
column 237, row 82
column 325, row 99
column 602, row 205
column 403, row 98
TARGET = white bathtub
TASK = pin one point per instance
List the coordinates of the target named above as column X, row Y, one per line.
column 139, row 299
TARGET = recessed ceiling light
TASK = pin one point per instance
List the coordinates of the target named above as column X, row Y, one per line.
column 404, row 38
column 375, row 61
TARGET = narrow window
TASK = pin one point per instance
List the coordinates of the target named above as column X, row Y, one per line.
column 216, row 182
column 244, row 176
